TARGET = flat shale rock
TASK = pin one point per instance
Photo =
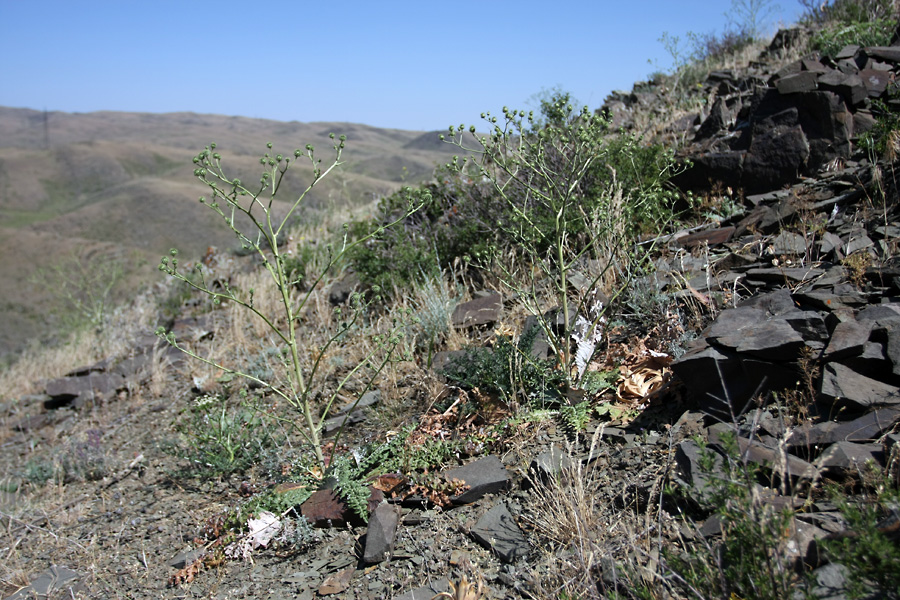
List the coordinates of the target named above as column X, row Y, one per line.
column 81, row 389
column 724, row 381
column 843, row 386
column 771, row 340
column 480, row 311
column 484, row 476
column 55, row 583
column 498, row 531
column 848, row 339
column 381, row 533
column 868, row 427
column 426, row 592
column 788, row 466
column 849, row 457
column 551, row 463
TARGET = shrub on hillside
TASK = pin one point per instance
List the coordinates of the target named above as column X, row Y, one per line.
column 847, row 11
column 464, row 217
column 454, row 223
column 831, row 39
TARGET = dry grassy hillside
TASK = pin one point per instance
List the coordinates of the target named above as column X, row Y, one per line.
column 120, row 186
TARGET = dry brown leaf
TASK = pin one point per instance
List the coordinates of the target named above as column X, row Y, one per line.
column 187, row 574
column 388, row 483
column 337, row 583
column 642, row 376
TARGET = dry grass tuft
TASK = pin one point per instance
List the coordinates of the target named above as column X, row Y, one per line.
column 113, row 340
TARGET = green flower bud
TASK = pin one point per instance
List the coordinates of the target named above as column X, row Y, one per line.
column 269, row 145
column 212, row 146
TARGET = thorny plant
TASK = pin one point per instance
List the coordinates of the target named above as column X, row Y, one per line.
column 237, row 203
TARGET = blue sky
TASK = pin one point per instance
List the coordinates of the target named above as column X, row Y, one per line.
column 410, row 65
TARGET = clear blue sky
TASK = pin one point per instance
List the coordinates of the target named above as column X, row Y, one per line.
column 411, row 65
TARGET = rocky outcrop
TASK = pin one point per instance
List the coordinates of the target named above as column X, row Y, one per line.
column 768, row 126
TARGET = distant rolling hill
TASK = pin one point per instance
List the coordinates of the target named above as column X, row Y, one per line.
column 119, row 186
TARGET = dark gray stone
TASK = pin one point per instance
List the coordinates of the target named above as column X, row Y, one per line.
column 484, row 476
column 791, row 275
column 863, row 121
column 687, row 457
column 723, row 167
column 879, row 312
column 850, row 457
column 803, row 81
column 875, row 81
column 784, row 465
column 775, row 157
column 801, row 547
column 848, row 339
column 717, row 120
column 871, row 362
column 830, row 300
column 773, row 340
column 815, row 66
column 356, row 411
column 888, row 53
column 848, row 51
column 724, row 382
column 830, row 582
column 381, row 533
column 787, row 243
column 480, row 311
column 831, row 243
column 808, row 323
column 443, row 358
column 498, row 531
column 78, row 391
column 858, row 242
column 843, row 386
column 342, row 289
column 830, row 521
column 777, row 216
column 734, row 320
column 892, row 349
column 868, row 427
column 55, row 581
column 426, row 592
column 848, row 86
column 774, row 303
column 184, row 559
column 551, row 463
column 709, row 237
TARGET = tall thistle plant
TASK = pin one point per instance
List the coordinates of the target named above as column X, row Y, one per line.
column 575, row 194
column 237, row 203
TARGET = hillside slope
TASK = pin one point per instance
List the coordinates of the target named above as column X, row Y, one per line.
column 71, row 181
